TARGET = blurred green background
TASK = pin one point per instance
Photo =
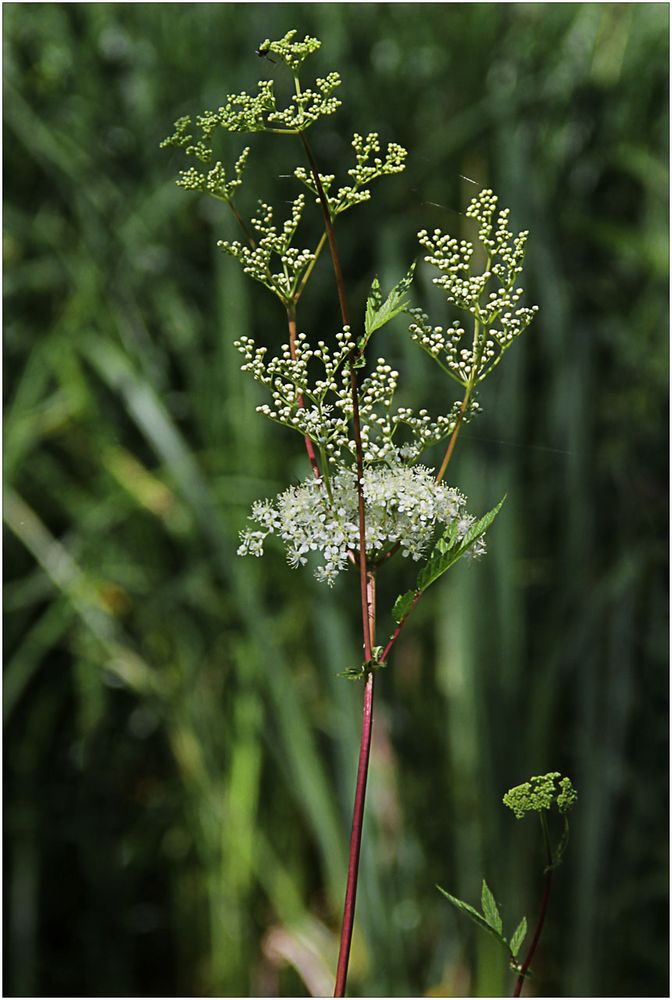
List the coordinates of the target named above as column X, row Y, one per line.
column 179, row 753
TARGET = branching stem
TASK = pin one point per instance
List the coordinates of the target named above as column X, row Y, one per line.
column 367, row 593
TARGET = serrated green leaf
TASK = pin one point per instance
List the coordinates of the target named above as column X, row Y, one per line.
column 352, row 673
column 449, row 548
column 403, row 605
column 518, row 937
column 490, row 909
column 372, row 304
column 474, row 914
column 378, row 313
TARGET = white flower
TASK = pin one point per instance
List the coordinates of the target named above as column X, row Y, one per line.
column 404, row 506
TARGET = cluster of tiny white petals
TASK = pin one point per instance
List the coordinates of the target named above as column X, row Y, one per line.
column 368, row 167
column 273, row 243
column 404, row 506
column 491, row 297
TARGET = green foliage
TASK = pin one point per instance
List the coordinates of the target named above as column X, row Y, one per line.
column 379, row 312
column 360, row 673
column 490, row 919
column 448, row 550
column 489, row 908
column 518, row 937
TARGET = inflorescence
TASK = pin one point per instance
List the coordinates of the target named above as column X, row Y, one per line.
column 540, row 793
column 491, row 297
column 321, row 407
column 404, row 506
column 310, row 385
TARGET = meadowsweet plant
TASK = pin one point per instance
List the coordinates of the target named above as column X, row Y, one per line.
column 370, row 491
column 543, row 794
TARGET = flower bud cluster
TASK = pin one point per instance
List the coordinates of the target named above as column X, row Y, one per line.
column 540, row 793
column 491, row 297
column 363, row 173
column 292, row 53
column 320, row 404
column 404, row 506
column 308, row 106
column 256, row 260
column 215, row 182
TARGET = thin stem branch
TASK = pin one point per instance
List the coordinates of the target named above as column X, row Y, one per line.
column 548, row 879
column 241, row 222
column 537, row 934
column 453, row 437
column 291, row 322
column 397, row 631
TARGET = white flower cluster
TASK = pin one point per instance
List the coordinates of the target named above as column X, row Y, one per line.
column 404, row 506
column 363, row 173
column 321, row 408
column 256, row 261
column 499, row 318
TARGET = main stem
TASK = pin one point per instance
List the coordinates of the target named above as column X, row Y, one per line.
column 368, row 602
column 357, row 813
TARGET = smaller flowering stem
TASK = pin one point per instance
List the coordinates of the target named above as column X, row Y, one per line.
column 548, row 878
column 309, row 269
column 453, row 437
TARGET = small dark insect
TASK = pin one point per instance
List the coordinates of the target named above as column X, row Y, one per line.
column 263, row 53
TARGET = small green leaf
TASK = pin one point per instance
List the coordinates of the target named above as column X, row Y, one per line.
column 489, row 907
column 403, row 605
column 449, row 548
column 359, row 673
column 352, row 673
column 475, row 916
column 378, row 313
column 518, row 937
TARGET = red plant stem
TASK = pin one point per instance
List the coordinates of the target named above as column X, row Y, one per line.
column 537, row 933
column 340, row 285
column 291, row 322
column 367, row 595
column 355, row 841
column 395, row 634
column 357, row 813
